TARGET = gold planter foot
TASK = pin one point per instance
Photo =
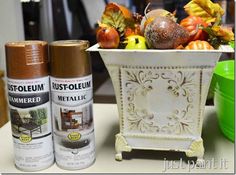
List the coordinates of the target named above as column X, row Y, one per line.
column 121, row 145
column 196, row 149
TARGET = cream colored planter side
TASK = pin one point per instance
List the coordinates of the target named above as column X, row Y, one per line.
column 161, row 96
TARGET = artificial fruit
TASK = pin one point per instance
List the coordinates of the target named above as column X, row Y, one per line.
column 108, row 37
column 135, row 42
column 164, row 33
column 151, row 15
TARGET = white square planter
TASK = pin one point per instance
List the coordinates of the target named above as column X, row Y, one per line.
column 161, row 97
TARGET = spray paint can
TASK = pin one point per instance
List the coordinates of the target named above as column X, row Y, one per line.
column 72, row 104
column 29, row 105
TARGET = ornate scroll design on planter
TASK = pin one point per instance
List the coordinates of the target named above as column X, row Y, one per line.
column 179, row 122
column 141, row 82
column 180, row 84
column 139, row 119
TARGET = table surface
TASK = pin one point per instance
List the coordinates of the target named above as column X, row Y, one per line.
column 219, row 152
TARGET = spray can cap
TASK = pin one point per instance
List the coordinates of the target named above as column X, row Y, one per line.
column 69, row 59
column 26, row 59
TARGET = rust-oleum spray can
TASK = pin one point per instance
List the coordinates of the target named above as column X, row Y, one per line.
column 72, row 104
column 29, row 104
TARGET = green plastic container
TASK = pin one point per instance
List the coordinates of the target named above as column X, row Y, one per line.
column 224, row 97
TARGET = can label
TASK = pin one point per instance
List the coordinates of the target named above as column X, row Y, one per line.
column 72, row 110
column 31, row 122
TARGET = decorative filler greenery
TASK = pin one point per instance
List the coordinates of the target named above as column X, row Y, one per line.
column 39, row 116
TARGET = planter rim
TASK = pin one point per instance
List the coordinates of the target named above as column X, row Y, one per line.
column 222, row 49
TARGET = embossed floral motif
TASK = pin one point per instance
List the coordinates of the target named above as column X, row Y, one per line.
column 179, row 122
column 140, row 119
column 139, row 83
column 180, row 84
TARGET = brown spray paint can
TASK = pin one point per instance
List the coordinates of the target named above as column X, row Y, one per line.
column 72, row 102
column 29, row 104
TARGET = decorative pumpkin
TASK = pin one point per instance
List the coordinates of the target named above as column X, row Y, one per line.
column 194, row 25
column 199, row 45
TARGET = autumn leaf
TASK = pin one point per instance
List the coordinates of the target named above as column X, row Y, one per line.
column 207, row 10
column 118, row 17
column 219, row 35
column 114, row 19
column 225, row 33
